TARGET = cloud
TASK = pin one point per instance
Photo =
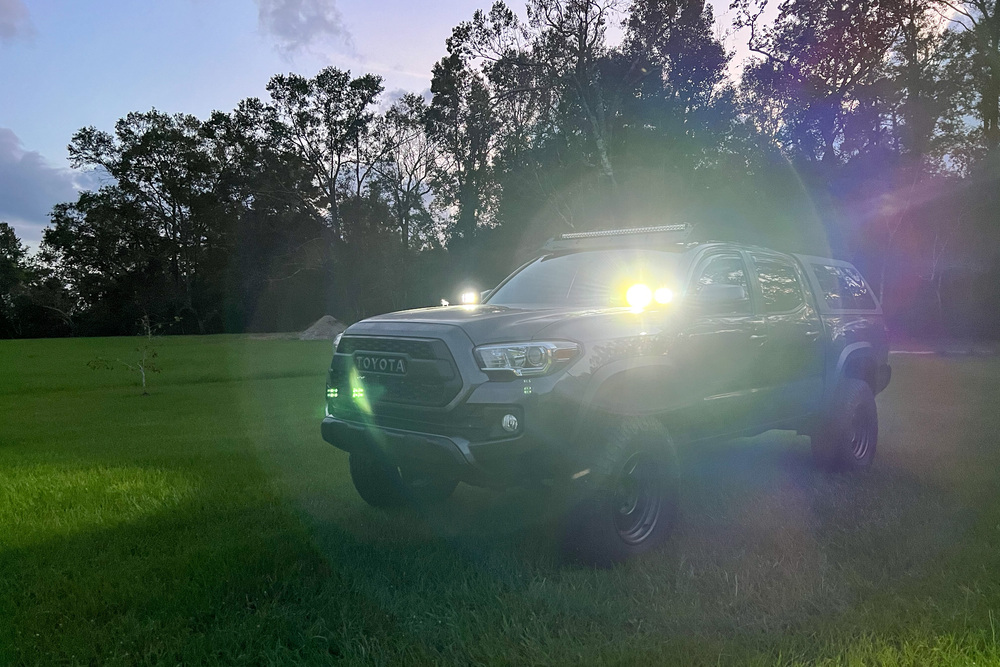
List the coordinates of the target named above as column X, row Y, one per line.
column 300, row 25
column 14, row 21
column 30, row 186
column 390, row 97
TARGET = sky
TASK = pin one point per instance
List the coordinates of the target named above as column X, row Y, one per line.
column 67, row 65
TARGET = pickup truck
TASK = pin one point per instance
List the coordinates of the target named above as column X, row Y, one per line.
column 591, row 364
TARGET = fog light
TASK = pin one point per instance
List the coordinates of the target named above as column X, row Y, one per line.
column 509, row 423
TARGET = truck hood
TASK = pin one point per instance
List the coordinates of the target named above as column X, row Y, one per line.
column 485, row 324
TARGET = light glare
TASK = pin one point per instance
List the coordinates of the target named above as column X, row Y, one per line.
column 638, row 296
column 663, row 295
column 469, row 298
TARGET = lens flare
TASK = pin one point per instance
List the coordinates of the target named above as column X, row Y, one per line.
column 358, row 395
column 638, row 296
column 663, row 295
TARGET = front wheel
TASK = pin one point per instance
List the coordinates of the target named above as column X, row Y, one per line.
column 634, row 503
column 377, row 482
column 426, row 487
column 382, row 485
column 847, row 438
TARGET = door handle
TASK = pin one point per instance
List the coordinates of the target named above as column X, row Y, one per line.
column 758, row 336
column 813, row 334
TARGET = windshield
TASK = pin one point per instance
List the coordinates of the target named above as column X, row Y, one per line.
column 591, row 279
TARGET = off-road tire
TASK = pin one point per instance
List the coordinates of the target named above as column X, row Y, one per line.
column 425, row 488
column 377, row 482
column 848, row 434
column 629, row 500
column 382, row 485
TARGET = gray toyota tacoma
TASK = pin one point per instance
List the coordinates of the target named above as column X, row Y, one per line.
column 591, row 364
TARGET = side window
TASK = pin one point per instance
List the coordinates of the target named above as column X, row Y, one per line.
column 724, row 270
column 843, row 288
column 779, row 283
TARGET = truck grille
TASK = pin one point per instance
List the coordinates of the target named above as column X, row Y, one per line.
column 432, row 378
column 416, row 348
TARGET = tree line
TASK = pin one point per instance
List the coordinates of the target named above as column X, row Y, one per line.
column 867, row 130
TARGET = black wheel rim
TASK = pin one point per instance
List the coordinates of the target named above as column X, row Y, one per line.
column 636, row 500
column 862, row 433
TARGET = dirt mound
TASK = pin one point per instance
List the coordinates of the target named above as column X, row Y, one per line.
column 325, row 328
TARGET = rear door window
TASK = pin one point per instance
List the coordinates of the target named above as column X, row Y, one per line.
column 779, row 285
column 843, row 288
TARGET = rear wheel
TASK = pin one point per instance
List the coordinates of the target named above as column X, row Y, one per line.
column 847, row 438
column 632, row 504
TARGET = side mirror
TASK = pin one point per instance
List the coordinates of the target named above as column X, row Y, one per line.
column 720, row 297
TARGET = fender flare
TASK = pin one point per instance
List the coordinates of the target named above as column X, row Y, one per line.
column 613, row 372
column 857, row 350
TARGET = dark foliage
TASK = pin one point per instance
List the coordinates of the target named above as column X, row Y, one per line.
column 866, row 130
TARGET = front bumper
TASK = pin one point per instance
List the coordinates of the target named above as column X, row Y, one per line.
column 489, row 463
column 447, row 415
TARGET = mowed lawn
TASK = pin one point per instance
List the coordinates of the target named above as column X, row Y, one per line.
column 209, row 523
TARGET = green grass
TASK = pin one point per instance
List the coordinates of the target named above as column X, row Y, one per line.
column 209, row 523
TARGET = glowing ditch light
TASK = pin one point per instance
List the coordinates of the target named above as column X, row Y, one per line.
column 639, row 296
column 469, row 298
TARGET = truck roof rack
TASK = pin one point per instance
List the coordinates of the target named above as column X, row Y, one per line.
column 633, row 236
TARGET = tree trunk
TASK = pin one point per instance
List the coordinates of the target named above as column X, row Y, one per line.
column 595, row 116
column 990, row 102
column 334, row 216
column 991, row 113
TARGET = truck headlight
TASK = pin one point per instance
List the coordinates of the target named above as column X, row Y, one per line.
column 526, row 359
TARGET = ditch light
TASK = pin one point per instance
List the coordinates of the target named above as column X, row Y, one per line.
column 639, row 296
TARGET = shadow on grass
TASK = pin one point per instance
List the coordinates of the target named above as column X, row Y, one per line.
column 737, row 498
column 766, row 544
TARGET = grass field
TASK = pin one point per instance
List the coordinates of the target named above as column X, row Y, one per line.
column 209, row 523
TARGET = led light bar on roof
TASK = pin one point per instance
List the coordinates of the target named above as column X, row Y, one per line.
column 619, row 232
